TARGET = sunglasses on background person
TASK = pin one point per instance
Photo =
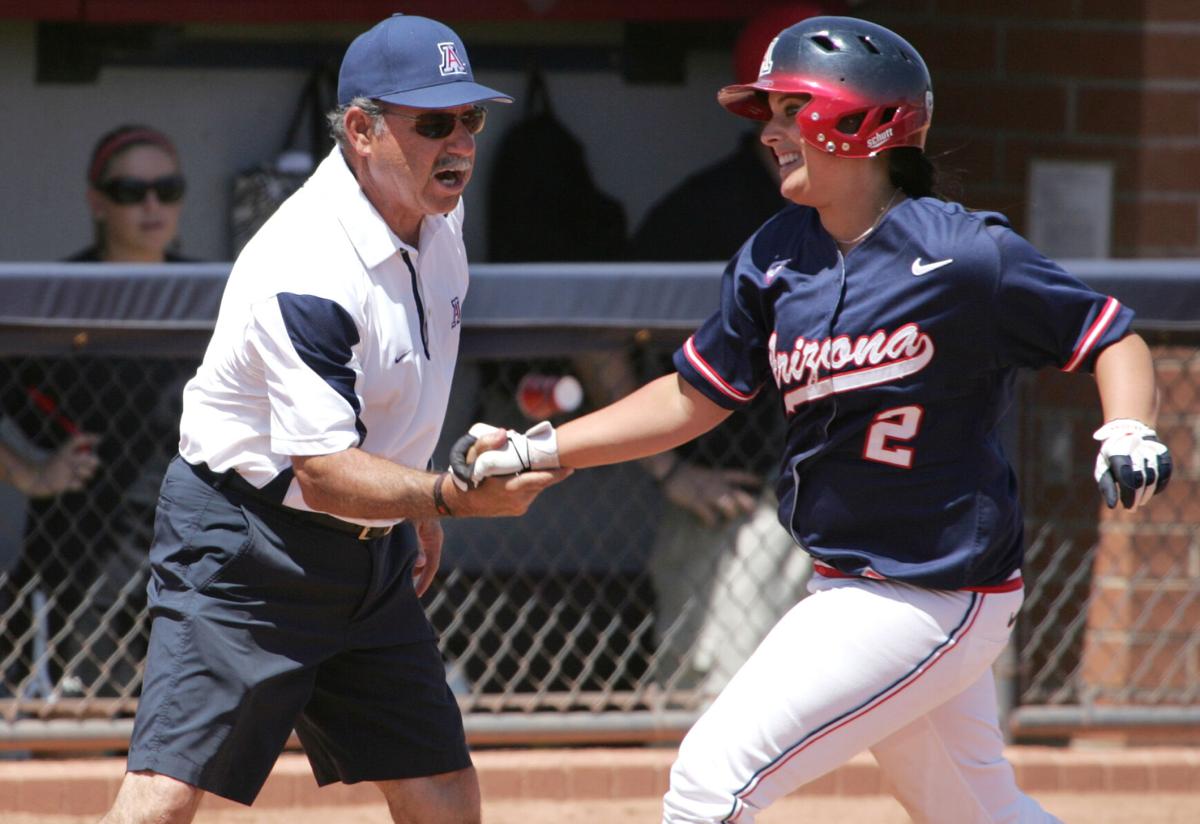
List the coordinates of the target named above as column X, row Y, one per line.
column 438, row 125
column 126, row 191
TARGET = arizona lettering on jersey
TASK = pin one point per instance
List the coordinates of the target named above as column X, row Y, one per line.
column 894, row 366
column 868, row 360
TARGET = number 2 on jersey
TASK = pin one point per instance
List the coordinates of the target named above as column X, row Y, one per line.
column 890, row 425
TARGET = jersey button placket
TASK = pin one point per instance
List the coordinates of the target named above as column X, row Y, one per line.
column 419, row 300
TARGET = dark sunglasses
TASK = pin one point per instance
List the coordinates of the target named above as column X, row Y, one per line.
column 437, row 125
column 129, row 190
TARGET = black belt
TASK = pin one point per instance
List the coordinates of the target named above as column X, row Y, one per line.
column 234, row 482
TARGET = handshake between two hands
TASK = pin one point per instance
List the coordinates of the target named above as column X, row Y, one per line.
column 481, row 453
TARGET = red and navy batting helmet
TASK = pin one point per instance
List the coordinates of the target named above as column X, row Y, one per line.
column 869, row 89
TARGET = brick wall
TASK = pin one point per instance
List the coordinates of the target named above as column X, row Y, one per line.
column 1113, row 80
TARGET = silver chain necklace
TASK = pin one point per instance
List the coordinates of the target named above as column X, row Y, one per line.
column 874, row 225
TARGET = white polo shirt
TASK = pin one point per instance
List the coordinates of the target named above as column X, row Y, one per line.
column 318, row 345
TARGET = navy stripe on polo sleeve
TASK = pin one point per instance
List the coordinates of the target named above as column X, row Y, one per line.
column 323, row 334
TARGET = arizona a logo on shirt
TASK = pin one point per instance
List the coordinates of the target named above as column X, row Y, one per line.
column 451, row 62
column 455, row 312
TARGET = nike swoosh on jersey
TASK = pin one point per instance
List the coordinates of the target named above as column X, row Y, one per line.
column 774, row 269
column 919, row 268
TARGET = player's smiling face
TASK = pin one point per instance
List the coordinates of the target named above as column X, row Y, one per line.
column 782, row 135
column 416, row 175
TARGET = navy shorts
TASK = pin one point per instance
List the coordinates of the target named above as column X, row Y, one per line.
column 262, row 622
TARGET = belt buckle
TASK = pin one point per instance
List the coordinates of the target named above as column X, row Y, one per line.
column 364, row 534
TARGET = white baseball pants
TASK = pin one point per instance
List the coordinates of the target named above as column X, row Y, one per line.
column 862, row 664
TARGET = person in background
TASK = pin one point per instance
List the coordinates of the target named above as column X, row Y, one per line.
column 85, row 549
column 135, row 195
column 67, row 469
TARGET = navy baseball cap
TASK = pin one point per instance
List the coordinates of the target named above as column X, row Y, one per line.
column 411, row 61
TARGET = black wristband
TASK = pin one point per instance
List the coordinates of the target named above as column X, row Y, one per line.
column 439, row 502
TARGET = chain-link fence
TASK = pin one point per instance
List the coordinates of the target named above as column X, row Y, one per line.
column 624, row 600
column 72, row 620
column 627, row 587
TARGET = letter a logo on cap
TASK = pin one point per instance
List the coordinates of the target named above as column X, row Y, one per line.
column 768, row 61
column 451, row 62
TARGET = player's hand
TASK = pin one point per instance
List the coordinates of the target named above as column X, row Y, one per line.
column 482, row 453
column 68, row 469
column 479, row 438
column 1133, row 464
column 712, row 494
column 429, row 553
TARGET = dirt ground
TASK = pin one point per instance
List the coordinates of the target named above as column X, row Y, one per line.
column 1091, row 808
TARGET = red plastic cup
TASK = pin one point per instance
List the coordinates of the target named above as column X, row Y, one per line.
column 544, row 396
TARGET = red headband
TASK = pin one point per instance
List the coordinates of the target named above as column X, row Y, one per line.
column 106, row 151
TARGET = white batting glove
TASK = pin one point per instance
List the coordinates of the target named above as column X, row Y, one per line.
column 536, row 449
column 460, row 468
column 1133, row 464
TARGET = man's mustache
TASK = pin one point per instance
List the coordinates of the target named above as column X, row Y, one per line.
column 453, row 164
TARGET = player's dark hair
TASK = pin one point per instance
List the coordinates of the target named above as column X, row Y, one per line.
column 911, row 170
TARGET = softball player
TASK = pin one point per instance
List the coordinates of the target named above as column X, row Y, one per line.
column 890, row 324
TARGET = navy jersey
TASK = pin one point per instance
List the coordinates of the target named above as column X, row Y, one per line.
column 893, row 366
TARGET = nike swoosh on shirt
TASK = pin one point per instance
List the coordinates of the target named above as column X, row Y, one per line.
column 774, row 269
column 919, row 268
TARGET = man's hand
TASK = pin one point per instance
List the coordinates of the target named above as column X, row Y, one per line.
column 502, row 496
column 429, row 554
column 1133, row 464
column 712, row 494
